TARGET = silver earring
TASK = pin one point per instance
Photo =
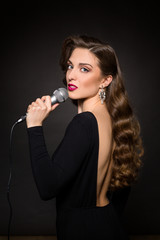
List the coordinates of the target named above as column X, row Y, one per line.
column 102, row 95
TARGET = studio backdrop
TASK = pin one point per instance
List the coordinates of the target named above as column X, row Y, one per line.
column 30, row 68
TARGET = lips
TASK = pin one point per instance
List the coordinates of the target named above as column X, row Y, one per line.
column 72, row 87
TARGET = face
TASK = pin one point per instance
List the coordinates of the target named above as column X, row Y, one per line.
column 83, row 75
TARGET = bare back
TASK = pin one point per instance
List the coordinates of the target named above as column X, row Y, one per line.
column 104, row 159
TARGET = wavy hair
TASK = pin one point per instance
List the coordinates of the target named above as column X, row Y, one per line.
column 128, row 148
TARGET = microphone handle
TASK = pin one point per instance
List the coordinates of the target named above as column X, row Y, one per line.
column 53, row 99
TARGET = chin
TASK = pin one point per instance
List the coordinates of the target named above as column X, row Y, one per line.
column 72, row 95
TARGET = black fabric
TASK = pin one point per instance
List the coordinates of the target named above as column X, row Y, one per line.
column 71, row 176
column 119, row 199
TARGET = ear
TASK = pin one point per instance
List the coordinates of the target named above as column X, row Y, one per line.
column 106, row 80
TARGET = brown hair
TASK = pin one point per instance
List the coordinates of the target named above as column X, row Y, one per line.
column 126, row 128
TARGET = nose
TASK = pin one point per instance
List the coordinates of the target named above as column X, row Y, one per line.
column 72, row 74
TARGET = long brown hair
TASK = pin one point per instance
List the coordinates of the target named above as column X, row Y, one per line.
column 128, row 148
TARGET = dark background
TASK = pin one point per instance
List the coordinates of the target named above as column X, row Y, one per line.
column 31, row 39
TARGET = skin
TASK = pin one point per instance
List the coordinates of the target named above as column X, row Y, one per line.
column 84, row 72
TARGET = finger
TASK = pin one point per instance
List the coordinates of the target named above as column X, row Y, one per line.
column 47, row 101
column 43, row 98
column 54, row 106
column 34, row 104
column 29, row 107
column 40, row 103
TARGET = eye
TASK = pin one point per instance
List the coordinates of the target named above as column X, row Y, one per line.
column 69, row 66
column 84, row 69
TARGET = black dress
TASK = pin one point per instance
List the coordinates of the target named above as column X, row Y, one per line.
column 71, row 176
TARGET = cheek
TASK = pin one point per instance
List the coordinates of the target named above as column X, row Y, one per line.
column 91, row 84
column 66, row 77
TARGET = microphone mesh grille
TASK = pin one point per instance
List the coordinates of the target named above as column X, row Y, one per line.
column 61, row 94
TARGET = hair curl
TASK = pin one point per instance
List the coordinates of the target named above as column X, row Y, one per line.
column 128, row 148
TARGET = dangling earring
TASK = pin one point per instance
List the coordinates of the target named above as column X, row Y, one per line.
column 102, row 94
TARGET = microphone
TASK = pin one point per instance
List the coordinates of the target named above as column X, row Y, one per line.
column 58, row 96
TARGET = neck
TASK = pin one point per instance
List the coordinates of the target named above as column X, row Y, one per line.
column 89, row 104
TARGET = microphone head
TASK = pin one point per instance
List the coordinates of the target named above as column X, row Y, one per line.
column 63, row 92
column 59, row 95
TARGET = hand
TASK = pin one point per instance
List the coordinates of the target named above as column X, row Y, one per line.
column 39, row 110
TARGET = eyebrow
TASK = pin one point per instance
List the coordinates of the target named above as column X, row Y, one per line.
column 82, row 63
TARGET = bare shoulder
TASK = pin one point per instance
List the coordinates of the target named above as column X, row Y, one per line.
column 103, row 119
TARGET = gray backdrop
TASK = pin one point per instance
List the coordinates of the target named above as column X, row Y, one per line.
column 30, row 50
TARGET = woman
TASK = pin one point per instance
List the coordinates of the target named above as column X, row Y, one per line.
column 100, row 152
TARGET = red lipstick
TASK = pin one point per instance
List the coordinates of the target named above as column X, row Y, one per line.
column 72, row 87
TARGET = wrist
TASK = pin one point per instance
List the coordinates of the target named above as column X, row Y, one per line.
column 29, row 125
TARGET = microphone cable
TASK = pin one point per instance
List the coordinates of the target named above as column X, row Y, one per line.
column 58, row 96
column 10, row 177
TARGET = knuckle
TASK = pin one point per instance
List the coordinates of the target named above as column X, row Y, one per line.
column 44, row 108
column 48, row 97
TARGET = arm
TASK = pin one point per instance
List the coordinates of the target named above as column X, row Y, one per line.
column 53, row 175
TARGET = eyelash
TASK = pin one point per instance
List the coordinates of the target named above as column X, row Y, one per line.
column 69, row 66
column 86, row 70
